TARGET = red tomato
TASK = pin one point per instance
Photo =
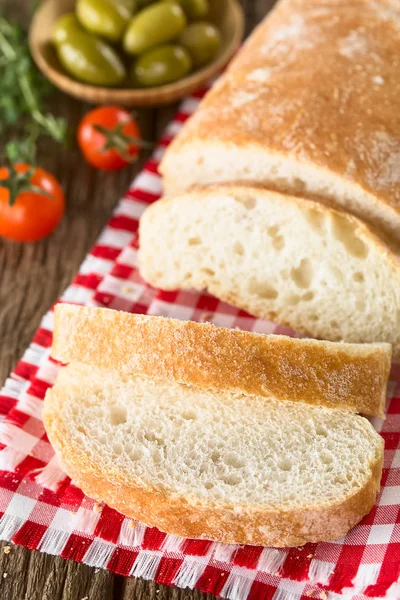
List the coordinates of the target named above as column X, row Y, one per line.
column 109, row 138
column 33, row 215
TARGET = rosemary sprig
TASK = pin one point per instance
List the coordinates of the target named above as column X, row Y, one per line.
column 23, row 93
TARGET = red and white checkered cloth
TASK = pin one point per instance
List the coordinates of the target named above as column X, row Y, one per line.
column 40, row 508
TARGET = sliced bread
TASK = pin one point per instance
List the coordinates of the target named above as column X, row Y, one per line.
column 348, row 376
column 293, row 261
column 310, row 107
column 227, row 467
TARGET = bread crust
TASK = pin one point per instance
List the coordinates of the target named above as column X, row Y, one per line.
column 201, row 354
column 319, row 85
column 190, row 517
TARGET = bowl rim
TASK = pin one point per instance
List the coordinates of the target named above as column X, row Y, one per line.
column 64, row 81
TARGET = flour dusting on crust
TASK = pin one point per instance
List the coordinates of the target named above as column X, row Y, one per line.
column 353, row 45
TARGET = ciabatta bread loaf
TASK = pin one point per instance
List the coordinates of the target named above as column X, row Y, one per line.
column 296, row 262
column 228, row 467
column 321, row 373
column 310, row 106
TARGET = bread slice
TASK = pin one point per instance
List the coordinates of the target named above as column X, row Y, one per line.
column 321, row 373
column 310, row 107
column 227, row 467
column 290, row 260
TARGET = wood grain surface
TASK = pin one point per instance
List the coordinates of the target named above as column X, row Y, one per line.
column 32, row 276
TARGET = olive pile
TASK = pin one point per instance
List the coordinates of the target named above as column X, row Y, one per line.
column 111, row 42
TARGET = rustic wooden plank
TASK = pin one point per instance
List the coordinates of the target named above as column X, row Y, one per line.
column 41, row 271
column 138, row 589
column 13, row 569
column 32, row 276
column 31, row 575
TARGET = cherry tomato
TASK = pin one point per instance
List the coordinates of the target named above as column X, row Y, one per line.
column 33, row 214
column 109, row 138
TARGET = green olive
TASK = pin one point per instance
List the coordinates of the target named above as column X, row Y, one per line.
column 107, row 18
column 85, row 56
column 155, row 25
column 63, row 26
column 161, row 65
column 202, row 40
column 195, row 9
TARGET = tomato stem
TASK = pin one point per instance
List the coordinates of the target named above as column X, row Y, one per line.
column 18, row 183
column 116, row 139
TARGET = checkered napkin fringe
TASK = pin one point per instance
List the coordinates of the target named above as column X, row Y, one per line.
column 40, row 507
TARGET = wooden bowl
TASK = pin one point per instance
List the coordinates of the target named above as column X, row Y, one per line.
column 227, row 14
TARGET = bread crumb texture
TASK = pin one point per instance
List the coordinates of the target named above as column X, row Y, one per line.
column 212, row 451
column 297, row 262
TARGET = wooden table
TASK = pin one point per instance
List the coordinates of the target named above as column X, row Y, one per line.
column 32, row 277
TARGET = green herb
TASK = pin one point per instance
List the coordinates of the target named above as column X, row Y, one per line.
column 23, row 92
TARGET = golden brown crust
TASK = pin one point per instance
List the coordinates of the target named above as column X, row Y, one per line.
column 318, row 83
column 319, row 373
column 180, row 516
